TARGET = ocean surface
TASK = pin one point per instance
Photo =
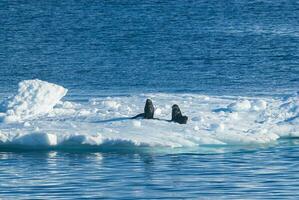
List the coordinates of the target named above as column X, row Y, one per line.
column 232, row 67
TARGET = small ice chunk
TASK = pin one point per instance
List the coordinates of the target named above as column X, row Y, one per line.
column 3, row 138
column 84, row 112
column 37, row 139
column 158, row 111
column 27, row 124
column 234, row 116
column 137, row 123
column 93, row 101
column 259, row 105
column 84, row 139
column 206, row 98
column 68, row 105
column 217, row 127
column 110, row 104
column 196, row 128
column 240, row 105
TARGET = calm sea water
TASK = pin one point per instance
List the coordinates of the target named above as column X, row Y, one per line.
column 97, row 48
column 270, row 173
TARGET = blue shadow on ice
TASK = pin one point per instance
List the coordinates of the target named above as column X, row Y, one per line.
column 124, row 119
column 112, row 120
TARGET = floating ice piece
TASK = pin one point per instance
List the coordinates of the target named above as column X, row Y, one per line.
column 259, row 105
column 137, row 123
column 217, row 127
column 104, row 123
column 158, row 112
column 111, row 104
column 34, row 98
column 234, row 116
column 3, row 138
column 240, row 105
column 82, row 140
column 37, row 139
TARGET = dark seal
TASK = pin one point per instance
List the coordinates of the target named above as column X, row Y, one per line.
column 149, row 111
column 176, row 115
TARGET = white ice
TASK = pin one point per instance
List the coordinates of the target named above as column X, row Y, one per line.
column 41, row 118
column 34, row 98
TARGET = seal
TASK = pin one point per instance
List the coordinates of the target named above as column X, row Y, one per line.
column 176, row 115
column 149, row 111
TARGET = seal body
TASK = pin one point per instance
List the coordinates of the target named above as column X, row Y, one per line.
column 176, row 115
column 149, row 111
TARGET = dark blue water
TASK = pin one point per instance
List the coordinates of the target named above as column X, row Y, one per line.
column 217, row 47
column 123, row 47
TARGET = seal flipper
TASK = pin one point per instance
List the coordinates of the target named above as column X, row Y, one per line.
column 176, row 115
column 141, row 115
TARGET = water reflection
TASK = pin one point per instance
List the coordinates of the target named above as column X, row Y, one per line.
column 257, row 174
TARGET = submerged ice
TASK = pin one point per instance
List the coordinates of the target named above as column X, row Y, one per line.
column 37, row 117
